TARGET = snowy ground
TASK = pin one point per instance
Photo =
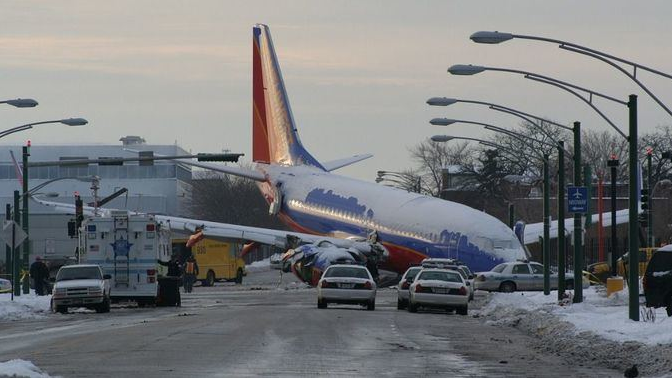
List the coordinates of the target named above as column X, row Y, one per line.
column 607, row 317
column 21, row 368
column 259, row 266
column 595, row 331
column 23, row 307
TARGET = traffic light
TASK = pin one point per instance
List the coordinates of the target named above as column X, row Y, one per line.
column 643, row 220
column 79, row 212
column 218, row 157
column 645, row 199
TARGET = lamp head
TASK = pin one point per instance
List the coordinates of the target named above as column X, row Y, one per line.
column 441, row 101
column 74, row 121
column 442, row 121
column 490, row 37
column 465, row 69
column 23, row 103
column 441, row 138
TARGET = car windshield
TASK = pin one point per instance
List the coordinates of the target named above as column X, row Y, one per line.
column 466, row 270
column 79, row 273
column 440, row 276
column 499, row 268
column 347, row 272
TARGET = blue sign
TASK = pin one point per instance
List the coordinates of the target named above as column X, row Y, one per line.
column 577, row 199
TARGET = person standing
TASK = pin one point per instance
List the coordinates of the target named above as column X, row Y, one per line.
column 190, row 273
column 40, row 274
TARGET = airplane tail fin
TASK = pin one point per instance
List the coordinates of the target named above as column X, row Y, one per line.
column 274, row 135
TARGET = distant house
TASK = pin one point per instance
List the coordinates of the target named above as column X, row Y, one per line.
column 455, row 178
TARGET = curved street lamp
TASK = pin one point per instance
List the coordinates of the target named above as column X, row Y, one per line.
column 447, row 101
column 490, row 37
column 21, row 103
column 28, row 126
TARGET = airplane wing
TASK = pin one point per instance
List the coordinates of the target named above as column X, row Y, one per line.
column 221, row 231
column 340, row 163
column 534, row 231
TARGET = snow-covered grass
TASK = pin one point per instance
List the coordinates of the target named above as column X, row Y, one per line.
column 28, row 306
column 21, row 368
column 259, row 266
column 606, row 317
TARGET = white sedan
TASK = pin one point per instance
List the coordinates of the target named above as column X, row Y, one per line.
column 5, row 285
column 439, row 288
column 348, row 284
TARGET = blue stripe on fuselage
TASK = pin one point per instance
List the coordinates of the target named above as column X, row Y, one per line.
column 475, row 258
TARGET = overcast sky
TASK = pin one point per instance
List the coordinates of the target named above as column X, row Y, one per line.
column 357, row 73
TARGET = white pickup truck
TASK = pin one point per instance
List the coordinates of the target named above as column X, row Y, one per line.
column 81, row 286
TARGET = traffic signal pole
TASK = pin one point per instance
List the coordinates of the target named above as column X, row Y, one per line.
column 24, row 218
column 561, row 220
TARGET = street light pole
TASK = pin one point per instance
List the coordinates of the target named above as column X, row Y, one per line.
column 613, row 165
column 651, row 243
column 633, row 245
column 561, row 220
column 578, row 231
column 16, row 282
column 547, row 230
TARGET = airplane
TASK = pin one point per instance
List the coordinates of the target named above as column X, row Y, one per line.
column 337, row 218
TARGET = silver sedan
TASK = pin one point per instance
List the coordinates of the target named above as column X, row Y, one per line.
column 519, row 276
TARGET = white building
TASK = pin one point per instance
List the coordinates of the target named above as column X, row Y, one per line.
column 162, row 187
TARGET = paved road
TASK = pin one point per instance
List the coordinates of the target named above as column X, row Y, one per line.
column 258, row 329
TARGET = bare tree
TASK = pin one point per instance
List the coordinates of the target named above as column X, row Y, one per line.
column 230, row 199
column 432, row 157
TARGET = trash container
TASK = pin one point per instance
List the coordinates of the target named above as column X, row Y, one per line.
column 169, row 291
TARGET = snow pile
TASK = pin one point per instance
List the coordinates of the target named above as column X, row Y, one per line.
column 597, row 331
column 24, row 307
column 606, row 317
column 259, row 266
column 21, row 368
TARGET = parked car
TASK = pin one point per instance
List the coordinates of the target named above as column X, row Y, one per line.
column 5, row 286
column 81, row 286
column 453, row 264
column 347, row 284
column 439, row 288
column 404, row 284
column 657, row 280
column 520, row 276
column 275, row 261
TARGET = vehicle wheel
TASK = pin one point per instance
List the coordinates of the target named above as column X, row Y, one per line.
column 569, row 285
column 62, row 309
column 104, row 307
column 239, row 276
column 400, row 304
column 371, row 305
column 321, row 303
column 669, row 310
column 507, row 287
column 412, row 307
column 471, row 297
column 462, row 310
column 209, row 279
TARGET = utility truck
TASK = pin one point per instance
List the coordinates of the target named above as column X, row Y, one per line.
column 128, row 247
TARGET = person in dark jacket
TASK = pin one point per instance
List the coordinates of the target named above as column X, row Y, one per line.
column 40, row 274
column 170, row 289
column 190, row 273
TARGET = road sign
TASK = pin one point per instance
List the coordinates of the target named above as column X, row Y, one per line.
column 577, row 199
column 6, row 233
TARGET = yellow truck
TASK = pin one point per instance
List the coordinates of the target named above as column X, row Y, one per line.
column 216, row 260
